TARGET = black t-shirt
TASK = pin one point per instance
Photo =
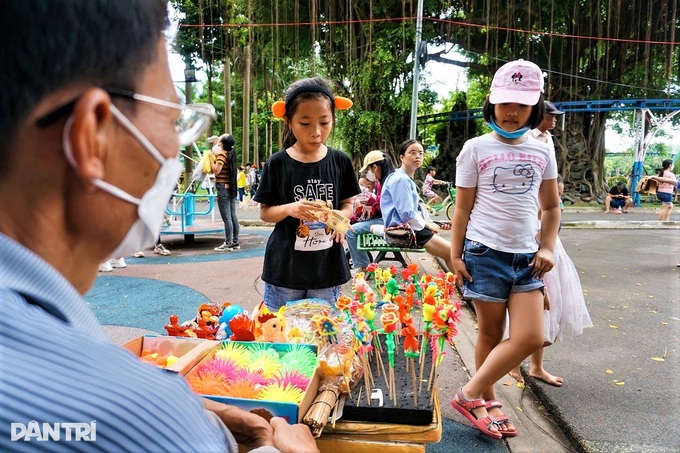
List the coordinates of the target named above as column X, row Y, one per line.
column 615, row 191
column 300, row 255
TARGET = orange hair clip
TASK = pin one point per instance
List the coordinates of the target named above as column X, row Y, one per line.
column 341, row 103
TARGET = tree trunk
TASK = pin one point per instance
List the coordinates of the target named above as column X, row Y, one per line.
column 246, row 105
column 580, row 156
column 256, row 134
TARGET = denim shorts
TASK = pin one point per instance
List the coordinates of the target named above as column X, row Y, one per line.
column 276, row 297
column 617, row 202
column 497, row 274
column 665, row 197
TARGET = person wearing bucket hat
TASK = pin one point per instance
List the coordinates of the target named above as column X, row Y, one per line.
column 503, row 178
column 542, row 131
column 377, row 165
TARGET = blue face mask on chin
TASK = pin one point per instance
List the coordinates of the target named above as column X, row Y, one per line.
column 505, row 134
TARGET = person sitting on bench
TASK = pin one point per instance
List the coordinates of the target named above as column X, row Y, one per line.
column 399, row 203
column 377, row 165
column 618, row 197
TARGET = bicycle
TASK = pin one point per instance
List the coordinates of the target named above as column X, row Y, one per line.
column 446, row 204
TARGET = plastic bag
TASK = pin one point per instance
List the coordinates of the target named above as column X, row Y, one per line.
column 203, row 168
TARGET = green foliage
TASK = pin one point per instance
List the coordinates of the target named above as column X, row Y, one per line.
column 369, row 61
column 614, row 180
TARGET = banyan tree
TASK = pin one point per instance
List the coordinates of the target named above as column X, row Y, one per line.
column 590, row 50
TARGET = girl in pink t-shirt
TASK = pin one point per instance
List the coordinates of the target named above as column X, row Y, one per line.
column 667, row 183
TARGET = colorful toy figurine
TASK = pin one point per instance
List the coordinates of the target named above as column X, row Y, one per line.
column 272, row 326
column 174, row 329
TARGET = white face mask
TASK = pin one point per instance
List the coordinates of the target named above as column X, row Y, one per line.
column 144, row 232
column 371, row 176
column 217, row 147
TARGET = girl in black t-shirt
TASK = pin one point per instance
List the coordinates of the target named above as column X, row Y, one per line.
column 304, row 258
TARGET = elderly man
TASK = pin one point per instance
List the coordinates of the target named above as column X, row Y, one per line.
column 89, row 116
column 542, row 132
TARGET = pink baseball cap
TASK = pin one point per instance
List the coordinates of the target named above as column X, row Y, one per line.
column 517, row 81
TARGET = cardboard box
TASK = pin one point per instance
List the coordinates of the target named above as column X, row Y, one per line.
column 293, row 413
column 188, row 350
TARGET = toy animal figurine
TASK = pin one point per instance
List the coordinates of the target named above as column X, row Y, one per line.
column 210, row 313
column 205, row 331
column 174, row 329
column 272, row 326
column 229, row 310
column 242, row 327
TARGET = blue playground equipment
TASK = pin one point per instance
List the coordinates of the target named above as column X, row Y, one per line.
column 191, row 209
column 647, row 123
column 185, row 208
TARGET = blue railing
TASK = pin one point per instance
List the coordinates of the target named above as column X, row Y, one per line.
column 609, row 105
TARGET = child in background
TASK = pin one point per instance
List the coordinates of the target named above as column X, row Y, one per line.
column 667, row 183
column 366, row 186
column 566, row 313
column 366, row 205
column 304, row 258
column 502, row 179
column 377, row 165
column 428, row 193
column 241, row 183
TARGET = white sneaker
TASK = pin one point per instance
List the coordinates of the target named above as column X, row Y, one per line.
column 139, row 254
column 223, row 248
column 118, row 263
column 105, row 267
column 161, row 250
column 378, row 230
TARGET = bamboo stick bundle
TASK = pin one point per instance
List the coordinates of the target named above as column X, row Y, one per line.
column 317, row 415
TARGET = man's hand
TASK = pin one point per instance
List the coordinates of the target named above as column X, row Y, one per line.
column 249, row 430
column 292, row 438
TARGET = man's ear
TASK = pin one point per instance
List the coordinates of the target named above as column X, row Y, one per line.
column 91, row 118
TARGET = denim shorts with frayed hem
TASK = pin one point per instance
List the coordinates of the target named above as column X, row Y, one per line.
column 497, row 274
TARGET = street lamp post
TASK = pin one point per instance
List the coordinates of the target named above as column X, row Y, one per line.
column 416, row 71
column 189, row 79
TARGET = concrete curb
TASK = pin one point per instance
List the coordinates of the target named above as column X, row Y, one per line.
column 602, row 224
column 623, row 225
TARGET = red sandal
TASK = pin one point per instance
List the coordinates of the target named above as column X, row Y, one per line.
column 465, row 407
column 504, row 419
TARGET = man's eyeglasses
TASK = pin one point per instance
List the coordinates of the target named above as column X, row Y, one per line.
column 193, row 121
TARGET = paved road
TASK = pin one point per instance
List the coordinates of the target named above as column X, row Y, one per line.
column 632, row 288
